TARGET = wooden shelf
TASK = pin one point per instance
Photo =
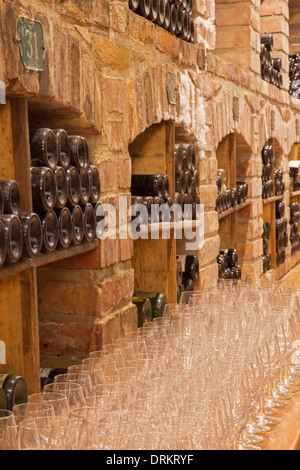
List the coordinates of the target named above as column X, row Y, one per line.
column 295, row 193
column 273, row 199
column 232, row 210
column 154, row 260
column 46, row 258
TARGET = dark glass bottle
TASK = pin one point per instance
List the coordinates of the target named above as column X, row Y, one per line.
column 158, row 303
column 65, row 227
column 13, row 237
column 78, row 225
column 165, row 186
column 2, row 244
column 134, row 4
column 146, row 185
column 144, row 308
column 78, row 151
column 167, row 18
column 32, row 234
column 196, row 208
column 173, row 19
column 43, row 187
column 62, row 192
column 195, row 183
column 178, row 158
column 267, row 40
column 43, row 148
column 49, row 373
column 3, row 399
column 180, row 182
column 63, row 148
column 12, row 199
column 85, row 185
column 154, row 8
column 90, row 222
column 50, row 231
column 189, row 182
column 15, row 388
column 74, row 187
column 161, row 13
column 45, row 381
column 191, row 268
column 95, row 184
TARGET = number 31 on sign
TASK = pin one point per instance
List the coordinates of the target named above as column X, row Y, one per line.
column 30, row 39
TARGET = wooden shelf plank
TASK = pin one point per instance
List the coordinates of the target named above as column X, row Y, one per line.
column 232, row 210
column 273, row 199
column 47, row 258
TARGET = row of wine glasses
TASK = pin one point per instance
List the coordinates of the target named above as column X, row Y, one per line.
column 214, row 373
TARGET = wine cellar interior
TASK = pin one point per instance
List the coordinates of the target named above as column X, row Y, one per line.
column 204, row 97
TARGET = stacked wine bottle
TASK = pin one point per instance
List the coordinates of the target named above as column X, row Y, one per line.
column 266, row 236
column 176, row 16
column 267, row 179
column 279, row 183
column 65, row 188
column 294, row 75
column 229, row 197
column 281, row 233
column 186, row 181
column 151, row 191
column 293, row 172
column 294, row 227
column 150, row 305
column 228, row 265
column 270, row 67
column 187, row 272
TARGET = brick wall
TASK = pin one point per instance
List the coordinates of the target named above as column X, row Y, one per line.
column 116, row 90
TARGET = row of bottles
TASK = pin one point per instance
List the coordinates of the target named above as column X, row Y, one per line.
column 281, row 233
column 228, row 265
column 13, row 391
column 270, row 67
column 294, row 227
column 54, row 148
column 266, row 236
column 65, row 187
column 186, row 181
column 229, row 197
column 293, row 174
column 27, row 234
column 272, row 179
column 149, row 305
column 187, row 272
column 173, row 15
column 294, row 75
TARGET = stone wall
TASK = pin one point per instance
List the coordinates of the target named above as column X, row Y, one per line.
column 105, row 77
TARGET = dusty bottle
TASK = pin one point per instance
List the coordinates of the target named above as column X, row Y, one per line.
column 65, row 227
column 77, row 225
column 14, row 238
column 85, row 185
column 11, row 197
column 90, row 222
column 146, row 185
column 63, row 148
column 62, row 191
column 15, row 388
column 78, row 151
column 74, row 187
column 32, row 234
column 50, row 231
column 95, row 184
column 43, row 187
